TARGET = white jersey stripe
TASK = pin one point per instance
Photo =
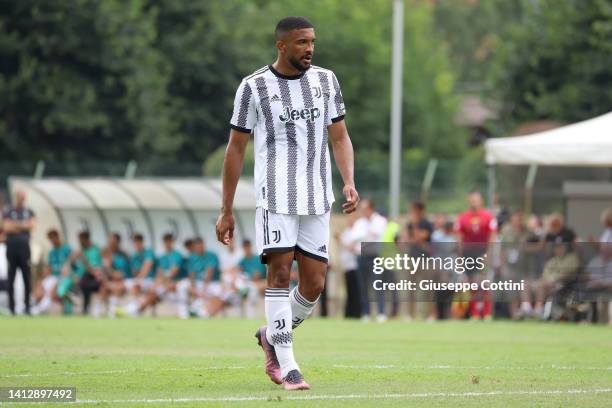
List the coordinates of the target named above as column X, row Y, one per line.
column 312, row 151
column 262, row 90
column 292, row 149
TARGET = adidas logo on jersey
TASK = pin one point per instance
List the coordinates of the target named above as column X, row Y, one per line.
column 293, row 114
column 323, row 249
column 275, row 98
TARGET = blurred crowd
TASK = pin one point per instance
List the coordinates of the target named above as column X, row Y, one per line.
column 109, row 280
column 565, row 277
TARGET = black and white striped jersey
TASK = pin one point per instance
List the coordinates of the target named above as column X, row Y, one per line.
column 289, row 116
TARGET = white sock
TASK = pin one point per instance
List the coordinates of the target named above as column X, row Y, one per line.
column 44, row 304
column 279, row 333
column 301, row 307
column 132, row 308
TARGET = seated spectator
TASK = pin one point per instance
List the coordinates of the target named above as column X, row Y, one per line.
column 559, row 270
column 142, row 265
column 556, row 231
column 170, row 278
column 210, row 292
column 87, row 266
column 118, row 274
column 255, row 273
column 58, row 267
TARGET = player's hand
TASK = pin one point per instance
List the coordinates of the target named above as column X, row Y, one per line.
column 352, row 199
column 225, row 228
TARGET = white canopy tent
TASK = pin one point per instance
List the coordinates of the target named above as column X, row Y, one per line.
column 585, row 144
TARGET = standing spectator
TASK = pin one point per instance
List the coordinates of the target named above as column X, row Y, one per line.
column 599, row 272
column 348, row 261
column 370, row 227
column 18, row 222
column 57, row 267
column 418, row 235
column 514, row 236
column 87, row 265
column 475, row 229
column 444, row 246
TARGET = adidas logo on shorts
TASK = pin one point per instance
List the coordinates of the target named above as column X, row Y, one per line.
column 275, row 98
column 322, row 248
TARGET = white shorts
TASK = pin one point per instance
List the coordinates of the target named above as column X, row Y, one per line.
column 308, row 234
column 145, row 283
column 49, row 283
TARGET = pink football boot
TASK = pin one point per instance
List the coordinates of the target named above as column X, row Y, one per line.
column 272, row 367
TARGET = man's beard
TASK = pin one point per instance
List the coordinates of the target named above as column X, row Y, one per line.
column 298, row 65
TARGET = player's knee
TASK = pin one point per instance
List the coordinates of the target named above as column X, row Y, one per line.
column 313, row 289
column 279, row 276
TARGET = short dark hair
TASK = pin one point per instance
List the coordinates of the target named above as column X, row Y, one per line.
column 138, row 237
column 84, row 235
column 117, row 236
column 418, row 205
column 246, row 242
column 291, row 23
column 168, row 236
column 52, row 233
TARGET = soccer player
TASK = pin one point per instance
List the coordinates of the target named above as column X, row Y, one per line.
column 170, row 277
column 87, row 266
column 118, row 271
column 203, row 268
column 57, row 268
column 142, row 264
column 292, row 107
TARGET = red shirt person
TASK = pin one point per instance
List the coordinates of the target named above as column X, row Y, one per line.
column 475, row 227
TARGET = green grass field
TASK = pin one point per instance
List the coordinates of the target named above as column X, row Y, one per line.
column 150, row 362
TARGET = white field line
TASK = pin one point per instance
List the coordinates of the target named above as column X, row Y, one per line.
column 467, row 367
column 345, row 366
column 125, row 371
column 306, row 397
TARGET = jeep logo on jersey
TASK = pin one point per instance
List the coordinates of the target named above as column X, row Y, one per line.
column 293, row 114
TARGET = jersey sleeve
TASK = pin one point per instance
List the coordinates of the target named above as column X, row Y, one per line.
column 244, row 115
column 336, row 105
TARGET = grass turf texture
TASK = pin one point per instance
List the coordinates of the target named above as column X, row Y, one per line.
column 441, row 364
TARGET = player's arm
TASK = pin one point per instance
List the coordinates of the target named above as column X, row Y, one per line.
column 173, row 271
column 8, row 225
column 344, row 157
column 209, row 274
column 28, row 225
column 145, row 269
column 232, row 168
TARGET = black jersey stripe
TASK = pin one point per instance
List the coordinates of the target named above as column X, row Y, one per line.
column 266, row 109
column 323, row 161
column 292, row 148
column 338, row 98
column 244, row 106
